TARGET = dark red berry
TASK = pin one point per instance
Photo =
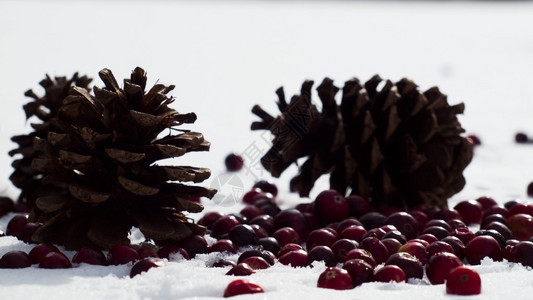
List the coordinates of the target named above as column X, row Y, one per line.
column 330, row 206
column 55, row 260
column 372, row 220
column 457, row 245
column 421, row 217
column 405, row 223
column 440, row 265
column 428, row 237
column 251, row 211
column 375, row 232
column 241, row 287
column 521, row 138
column 438, row 247
column 270, row 244
column 378, row 250
column 521, row 226
column 267, row 187
column 234, row 162
column 463, row 281
column 347, row 223
column 194, row 244
column 295, row 259
column 497, row 209
column 358, row 206
column 122, row 254
column 288, row 248
column 259, row 231
column 464, row 234
column 209, row 219
column 252, row 195
column 335, row 278
column 447, row 214
column 471, row 211
column 523, row 253
column 501, row 229
column 320, row 237
column 27, row 232
column 389, row 273
column 90, row 256
column 415, row 249
column 171, row 252
column 15, row 260
column 223, row 225
column 242, row 269
column 521, row 208
column 438, row 231
column 482, row 246
column 222, row 246
column 393, row 245
column 493, row 218
column 456, row 223
column 267, row 255
column 410, row 265
column 256, row 263
column 286, row 235
column 243, row 235
column 423, row 242
column 322, row 253
column 39, row 252
column 486, row 202
column 495, row 234
column 292, row 218
column 265, row 221
column 395, row 234
column 144, row 265
column 473, row 139
column 361, row 254
column 439, row 223
column 341, row 247
column 354, row 233
column 15, row 225
column 360, row 271
column 530, row 189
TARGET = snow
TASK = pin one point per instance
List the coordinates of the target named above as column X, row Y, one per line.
column 224, row 57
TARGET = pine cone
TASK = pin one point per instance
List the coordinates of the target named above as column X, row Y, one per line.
column 103, row 160
column 395, row 145
column 44, row 108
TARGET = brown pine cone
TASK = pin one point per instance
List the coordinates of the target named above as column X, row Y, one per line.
column 102, row 165
column 393, row 145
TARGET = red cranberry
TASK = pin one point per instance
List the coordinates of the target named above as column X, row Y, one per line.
column 423, row 242
column 144, row 265
column 360, row 271
column 305, row 207
column 320, row 237
column 286, row 235
column 242, row 269
column 288, row 248
column 251, row 196
column 509, row 204
column 378, row 250
column 39, row 252
column 501, row 229
column 259, row 231
column 457, row 245
column 222, row 246
column 347, row 223
column 169, row 252
column 372, row 220
column 194, row 244
column 521, row 226
column 361, row 254
column 6, row 205
column 486, row 202
column 241, row 287
column 270, row 244
column 440, row 265
column 438, row 247
column 297, row 258
column 471, row 211
column 256, row 263
column 122, row 254
column 294, row 219
column 265, row 221
column 496, row 209
column 463, row 281
column 15, row 225
column 405, row 223
column 358, row 206
column 439, row 223
column 523, row 253
column 415, row 249
column 330, row 206
column 493, row 218
column 322, row 253
column 421, row 217
column 335, row 278
column 437, row 231
column 234, row 162
column 15, row 260
column 530, row 189
column 243, row 235
column 456, row 223
column 473, row 139
column 495, row 234
column 267, row 187
column 447, row 214
column 482, row 246
column 390, row 273
column 393, row 245
column 375, row 232
column 521, row 208
column 428, row 237
column 27, row 232
column 90, row 256
column 395, row 234
column 55, row 260
column 266, row 255
column 146, row 252
column 223, row 225
column 521, row 138
column 223, row 263
column 464, row 234
column 209, row 219
column 410, row 265
column 251, row 211
column 341, row 247
column 354, row 233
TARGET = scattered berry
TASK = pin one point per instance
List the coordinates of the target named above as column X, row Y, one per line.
column 241, row 287
column 482, row 246
column 335, row 278
column 15, row 260
column 410, row 265
column 330, row 206
column 322, row 253
column 144, row 265
column 55, row 260
column 360, row 271
column 297, row 258
column 39, row 252
column 171, row 251
column 463, row 281
column 122, row 254
column 267, row 187
column 89, row 256
column 234, row 162
column 242, row 269
column 440, row 265
column 389, row 273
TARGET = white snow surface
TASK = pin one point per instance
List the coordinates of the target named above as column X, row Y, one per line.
column 224, row 57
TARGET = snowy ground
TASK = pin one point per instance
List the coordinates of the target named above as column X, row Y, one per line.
column 226, row 56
